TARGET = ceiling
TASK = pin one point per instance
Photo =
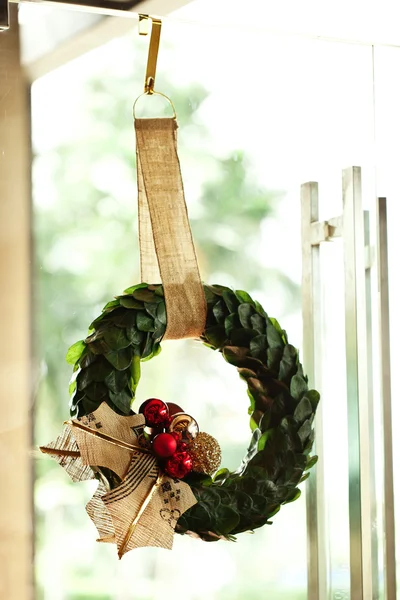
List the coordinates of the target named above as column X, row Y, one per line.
column 52, row 36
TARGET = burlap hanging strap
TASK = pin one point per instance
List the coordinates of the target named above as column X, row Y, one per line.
column 165, row 238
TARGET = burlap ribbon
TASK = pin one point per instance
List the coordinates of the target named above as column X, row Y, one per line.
column 144, row 508
column 166, row 246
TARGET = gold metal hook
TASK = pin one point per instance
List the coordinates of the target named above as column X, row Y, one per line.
column 153, row 50
column 152, row 58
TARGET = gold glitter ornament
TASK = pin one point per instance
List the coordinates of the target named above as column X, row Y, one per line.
column 205, row 453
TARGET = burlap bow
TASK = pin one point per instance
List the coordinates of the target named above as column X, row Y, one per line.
column 142, row 509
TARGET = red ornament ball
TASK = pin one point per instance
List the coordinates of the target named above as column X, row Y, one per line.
column 179, row 465
column 164, row 445
column 174, row 408
column 155, row 412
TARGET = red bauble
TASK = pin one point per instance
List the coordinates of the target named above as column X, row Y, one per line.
column 179, row 465
column 164, row 445
column 155, row 412
column 173, row 408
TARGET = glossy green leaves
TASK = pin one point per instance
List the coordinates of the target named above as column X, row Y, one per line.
column 282, row 408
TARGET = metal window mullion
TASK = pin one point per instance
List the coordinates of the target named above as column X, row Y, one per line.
column 357, row 388
column 311, row 302
column 370, row 387
column 384, row 327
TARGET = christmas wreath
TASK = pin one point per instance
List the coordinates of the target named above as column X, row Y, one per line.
column 282, row 408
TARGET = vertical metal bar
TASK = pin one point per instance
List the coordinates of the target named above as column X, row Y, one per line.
column 357, row 388
column 384, row 326
column 4, row 16
column 370, row 387
column 317, row 582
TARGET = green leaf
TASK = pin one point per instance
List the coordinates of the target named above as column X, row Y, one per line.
column 161, row 313
column 124, row 318
column 231, row 322
column 97, row 371
column 273, row 336
column 209, row 294
column 158, row 291
column 135, row 371
column 265, row 421
column 293, row 495
column 279, row 329
column 135, row 337
column 252, row 402
column 245, row 311
column 219, row 289
column 75, row 352
column 304, row 431
column 151, row 309
column 122, row 400
column 102, row 319
column 258, row 346
column 219, row 311
column 230, row 300
column 120, row 359
column 133, row 288
column 258, row 323
column 244, row 297
column 221, row 475
column 303, row 410
column 253, row 423
column 111, row 305
column 260, row 310
column 310, row 442
column 145, row 296
column 155, row 351
column 144, row 322
column 227, row 519
column 264, row 438
column 87, row 359
column 148, row 348
column 99, row 346
column 242, row 337
column 129, row 302
column 159, row 331
column 298, row 385
column 116, row 339
column 274, row 356
column 278, row 408
column 311, row 461
column 313, row 397
column 72, row 387
column 288, row 364
column 97, row 334
column 235, row 355
column 96, row 391
column 305, row 476
column 215, row 336
column 116, row 381
column 86, row 405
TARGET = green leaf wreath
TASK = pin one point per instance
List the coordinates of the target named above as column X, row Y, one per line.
column 282, row 408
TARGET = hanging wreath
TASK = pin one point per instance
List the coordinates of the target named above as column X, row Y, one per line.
column 158, row 475
column 180, row 462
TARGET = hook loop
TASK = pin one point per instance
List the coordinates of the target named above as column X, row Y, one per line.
column 151, row 68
